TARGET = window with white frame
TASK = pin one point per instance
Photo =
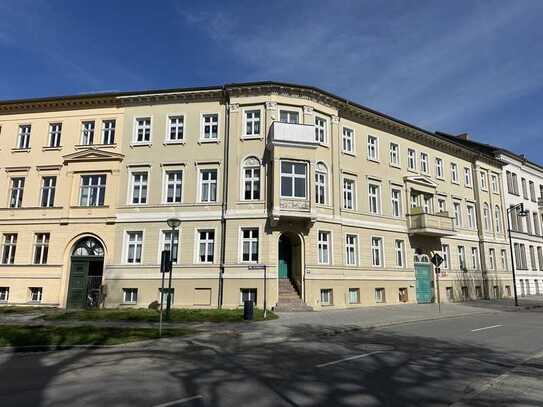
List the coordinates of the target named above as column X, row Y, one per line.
column 48, row 186
column 394, row 151
column 130, row 295
column 293, row 179
column 139, row 188
column 442, row 205
column 377, row 251
column 134, row 246
column 23, row 137
column 539, row 257
column 170, row 242
column 108, row 131
column 467, row 176
column 321, row 184
column 323, row 244
column 374, row 197
column 252, row 123
column 373, row 148
column 289, row 116
column 142, row 135
column 471, row 216
column 9, row 247
column 41, row 248
column 348, row 193
column 92, row 190
column 411, row 159
column 484, row 185
column 532, row 258
column 494, row 183
column 351, row 250
column 348, row 140
column 492, row 259
column 524, row 188
column 249, row 245
column 537, row 229
column 396, row 199
column 380, row 295
column 457, row 214
column 498, row 219
column 462, row 258
column 414, row 200
column 210, row 126
column 531, row 185
column 486, row 216
column 424, row 163
column 474, row 258
column 399, row 249
column 327, row 296
column 4, row 294
column 320, row 130
column 251, row 179
column 174, row 186
column 208, row 185
column 439, row 168
column 503, row 257
column 445, row 253
column 454, row 173
column 354, row 295
column 176, row 128
column 247, row 294
column 55, row 132
column 427, row 203
column 16, row 192
column 36, row 294
column 206, row 246
column 87, row 132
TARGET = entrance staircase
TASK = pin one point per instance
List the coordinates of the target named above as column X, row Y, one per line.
column 289, row 299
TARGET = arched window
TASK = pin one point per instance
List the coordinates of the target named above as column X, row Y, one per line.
column 321, row 184
column 498, row 218
column 88, row 246
column 486, row 216
column 251, row 179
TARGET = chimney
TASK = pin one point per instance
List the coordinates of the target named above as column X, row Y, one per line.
column 463, row 136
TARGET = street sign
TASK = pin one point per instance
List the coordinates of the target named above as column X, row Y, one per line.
column 436, row 260
column 257, row 267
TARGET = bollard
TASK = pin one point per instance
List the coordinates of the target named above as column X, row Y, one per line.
column 248, row 310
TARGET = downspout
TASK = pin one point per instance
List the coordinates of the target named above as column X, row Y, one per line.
column 224, row 205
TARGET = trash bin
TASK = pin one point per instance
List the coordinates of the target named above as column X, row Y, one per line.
column 248, row 310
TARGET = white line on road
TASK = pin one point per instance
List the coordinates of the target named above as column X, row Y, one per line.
column 176, row 402
column 349, row 358
column 486, row 327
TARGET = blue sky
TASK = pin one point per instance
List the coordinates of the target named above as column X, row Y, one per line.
column 474, row 66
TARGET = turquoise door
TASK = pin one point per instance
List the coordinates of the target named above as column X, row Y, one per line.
column 425, row 290
column 284, row 257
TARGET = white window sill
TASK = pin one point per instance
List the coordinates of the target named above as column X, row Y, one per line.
column 168, row 142
column 251, row 201
column 206, row 141
column 253, row 137
column 20, row 150
column 81, row 146
column 395, row 166
column 440, row 178
column 129, row 303
column 375, row 160
column 148, row 144
column 48, row 148
column 351, row 153
column 413, row 170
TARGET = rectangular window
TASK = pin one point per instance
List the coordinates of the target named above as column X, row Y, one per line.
column 48, row 186
column 373, row 148
column 208, row 185
column 442, row 205
column 130, row 295
column 484, row 185
column 134, row 247
column 36, row 294
column 504, row 259
column 206, row 246
column 492, row 259
column 532, row 258
column 377, row 251
column 494, row 183
column 400, row 253
column 210, row 126
column 9, row 247
column 532, row 191
column 467, row 176
column 289, row 116
column 4, row 294
column 324, row 247
column 465, row 293
column 427, row 203
column 92, row 190
column 439, row 168
column 252, row 123
column 176, row 128
column 524, row 188
column 457, row 214
column 87, row 132
column 394, row 151
column 351, row 250
column 167, row 244
column 41, row 248
column 55, row 132
column 471, row 216
column 374, row 196
column 139, row 188
column 537, row 230
column 454, row 173
column 174, row 186
column 251, row 182
column 108, row 131
column 354, row 295
column 320, row 130
column 449, row 293
column 396, row 199
column 540, row 257
column 380, row 295
column 293, row 179
column 424, row 163
column 478, row 291
column 348, row 140
column 474, row 258
column 23, row 138
column 462, row 258
column 348, row 193
column 249, row 245
column 327, row 296
column 411, row 159
column 248, row 294
column 142, row 134
column 16, row 192
column 403, row 295
column 445, row 253
column 515, row 184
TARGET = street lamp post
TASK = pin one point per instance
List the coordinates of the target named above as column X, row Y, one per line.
column 519, row 209
column 173, row 223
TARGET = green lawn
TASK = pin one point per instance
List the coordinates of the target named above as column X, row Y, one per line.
column 20, row 335
column 148, row 315
column 11, row 309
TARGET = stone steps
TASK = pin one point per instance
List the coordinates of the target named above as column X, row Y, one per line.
column 289, row 299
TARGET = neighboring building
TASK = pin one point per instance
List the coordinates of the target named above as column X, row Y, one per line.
column 343, row 205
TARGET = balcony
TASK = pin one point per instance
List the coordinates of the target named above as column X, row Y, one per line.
column 427, row 224
column 290, row 134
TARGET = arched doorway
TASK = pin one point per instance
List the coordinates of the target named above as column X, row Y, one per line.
column 424, row 279
column 86, row 270
column 290, row 261
column 285, row 257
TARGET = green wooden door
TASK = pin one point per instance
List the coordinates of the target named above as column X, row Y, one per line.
column 284, row 257
column 425, row 291
column 283, row 268
column 77, row 291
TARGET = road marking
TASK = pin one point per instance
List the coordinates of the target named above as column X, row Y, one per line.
column 486, row 327
column 349, row 358
column 180, row 401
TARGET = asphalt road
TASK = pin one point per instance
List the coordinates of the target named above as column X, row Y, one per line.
column 479, row 360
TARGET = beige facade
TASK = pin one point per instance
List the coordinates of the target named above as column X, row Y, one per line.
column 335, row 200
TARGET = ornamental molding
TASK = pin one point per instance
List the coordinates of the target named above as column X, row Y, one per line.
column 271, row 105
column 234, row 108
column 308, row 110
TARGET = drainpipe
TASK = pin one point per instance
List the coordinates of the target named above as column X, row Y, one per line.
column 224, row 205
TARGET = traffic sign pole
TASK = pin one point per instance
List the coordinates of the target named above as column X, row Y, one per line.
column 437, row 287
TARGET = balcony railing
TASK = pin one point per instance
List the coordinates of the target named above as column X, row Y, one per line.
column 295, row 134
column 427, row 224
